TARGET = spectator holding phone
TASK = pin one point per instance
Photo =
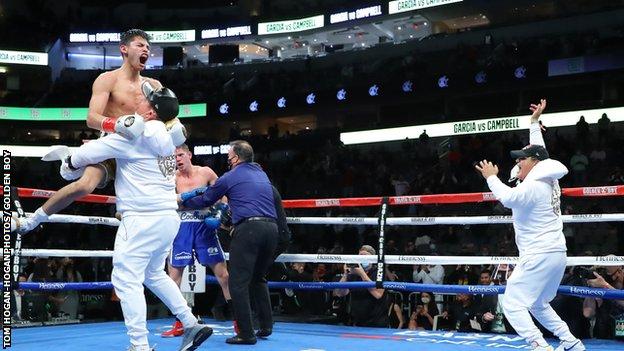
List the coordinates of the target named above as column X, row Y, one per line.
column 369, row 308
column 608, row 313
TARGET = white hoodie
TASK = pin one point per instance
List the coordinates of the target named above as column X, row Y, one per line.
column 535, row 204
column 145, row 174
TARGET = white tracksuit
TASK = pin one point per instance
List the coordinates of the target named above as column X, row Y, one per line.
column 145, row 190
column 536, row 212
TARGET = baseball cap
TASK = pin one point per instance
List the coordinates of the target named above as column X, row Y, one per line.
column 536, row 151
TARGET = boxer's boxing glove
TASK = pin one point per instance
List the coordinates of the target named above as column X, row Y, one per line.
column 191, row 194
column 128, row 126
column 177, row 131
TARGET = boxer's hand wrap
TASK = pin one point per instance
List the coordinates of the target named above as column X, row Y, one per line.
column 191, row 194
column 108, row 125
column 130, row 126
column 177, row 131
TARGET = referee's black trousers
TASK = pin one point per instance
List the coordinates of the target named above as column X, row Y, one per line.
column 251, row 254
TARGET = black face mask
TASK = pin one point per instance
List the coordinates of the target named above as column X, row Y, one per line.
column 230, row 163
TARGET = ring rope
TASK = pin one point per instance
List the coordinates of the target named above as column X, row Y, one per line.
column 435, row 288
column 596, row 191
column 390, row 259
column 458, row 220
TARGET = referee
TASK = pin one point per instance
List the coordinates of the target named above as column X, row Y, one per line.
column 254, row 238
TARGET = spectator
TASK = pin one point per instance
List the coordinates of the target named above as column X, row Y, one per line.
column 369, row 308
column 582, row 130
column 604, row 124
column 460, row 313
column 428, row 274
column 396, row 320
column 606, row 312
column 579, row 164
column 422, row 316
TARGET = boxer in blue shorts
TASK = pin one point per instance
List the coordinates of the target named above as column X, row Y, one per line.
column 198, row 237
column 195, row 237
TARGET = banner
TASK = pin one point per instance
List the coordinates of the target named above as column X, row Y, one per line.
column 288, row 26
column 194, row 279
column 225, row 32
column 411, row 5
column 24, row 57
column 490, row 125
column 345, row 16
column 77, row 113
column 156, row 36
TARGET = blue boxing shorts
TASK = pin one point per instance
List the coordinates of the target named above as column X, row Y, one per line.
column 194, row 238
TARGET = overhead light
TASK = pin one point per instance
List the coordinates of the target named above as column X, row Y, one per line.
column 411, row 36
column 481, row 77
column 363, row 44
column 281, row 103
column 348, row 36
column 315, row 40
column 304, row 44
column 253, row 106
column 289, row 38
column 266, row 42
column 407, row 86
column 443, row 82
column 307, row 128
column 282, row 48
column 310, row 99
column 3, row 70
column 341, row 95
column 374, row 90
column 399, row 27
column 224, row 109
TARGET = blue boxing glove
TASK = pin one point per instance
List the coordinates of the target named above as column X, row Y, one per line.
column 191, row 194
column 214, row 222
column 221, row 207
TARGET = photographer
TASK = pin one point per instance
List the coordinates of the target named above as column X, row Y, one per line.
column 369, row 308
column 607, row 312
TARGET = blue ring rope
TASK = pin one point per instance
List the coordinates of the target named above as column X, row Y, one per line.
column 578, row 291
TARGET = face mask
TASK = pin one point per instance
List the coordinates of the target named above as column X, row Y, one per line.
column 425, row 300
column 365, row 265
column 229, row 161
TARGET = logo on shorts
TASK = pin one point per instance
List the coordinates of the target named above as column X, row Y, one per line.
column 183, row 256
column 167, row 166
column 213, row 251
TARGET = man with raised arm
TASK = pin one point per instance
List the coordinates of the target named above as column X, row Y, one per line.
column 536, row 212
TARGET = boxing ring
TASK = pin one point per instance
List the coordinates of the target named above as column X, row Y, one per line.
column 317, row 337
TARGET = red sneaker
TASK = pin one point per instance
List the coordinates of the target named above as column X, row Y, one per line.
column 176, row 330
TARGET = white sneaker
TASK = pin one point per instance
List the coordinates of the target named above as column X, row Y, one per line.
column 574, row 345
column 538, row 347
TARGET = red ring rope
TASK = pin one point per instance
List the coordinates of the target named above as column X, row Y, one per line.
column 597, row 191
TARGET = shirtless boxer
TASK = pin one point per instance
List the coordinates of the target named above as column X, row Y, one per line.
column 146, row 199
column 195, row 235
column 116, row 93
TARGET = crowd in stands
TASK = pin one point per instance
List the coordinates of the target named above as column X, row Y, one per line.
column 314, row 164
column 320, row 167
